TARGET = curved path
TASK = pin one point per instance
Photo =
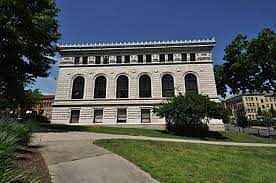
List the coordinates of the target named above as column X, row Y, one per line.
column 72, row 157
column 64, row 136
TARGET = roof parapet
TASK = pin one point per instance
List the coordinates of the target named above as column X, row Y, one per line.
column 136, row 43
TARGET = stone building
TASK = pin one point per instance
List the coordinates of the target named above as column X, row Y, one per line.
column 120, row 83
column 248, row 105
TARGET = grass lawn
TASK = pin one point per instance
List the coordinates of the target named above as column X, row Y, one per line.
column 212, row 136
column 183, row 162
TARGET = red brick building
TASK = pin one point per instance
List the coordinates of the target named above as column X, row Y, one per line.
column 45, row 106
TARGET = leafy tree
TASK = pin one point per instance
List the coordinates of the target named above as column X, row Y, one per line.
column 250, row 65
column 31, row 99
column 242, row 121
column 28, row 37
column 188, row 111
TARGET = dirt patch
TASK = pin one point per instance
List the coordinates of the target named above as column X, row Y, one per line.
column 31, row 160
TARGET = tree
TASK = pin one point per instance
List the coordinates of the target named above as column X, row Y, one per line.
column 28, row 34
column 31, row 99
column 186, row 112
column 250, row 65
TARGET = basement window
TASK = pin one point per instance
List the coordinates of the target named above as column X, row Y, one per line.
column 121, row 115
column 145, row 115
column 75, row 116
column 98, row 115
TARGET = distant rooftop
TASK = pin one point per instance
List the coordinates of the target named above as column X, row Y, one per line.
column 137, row 43
column 269, row 94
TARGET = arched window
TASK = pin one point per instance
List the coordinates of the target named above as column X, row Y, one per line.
column 78, row 88
column 100, row 87
column 167, row 86
column 144, row 86
column 191, row 83
column 122, row 87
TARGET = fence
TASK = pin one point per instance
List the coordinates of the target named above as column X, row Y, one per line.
column 259, row 131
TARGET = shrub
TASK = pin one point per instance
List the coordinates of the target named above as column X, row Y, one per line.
column 42, row 119
column 12, row 136
column 186, row 113
column 20, row 131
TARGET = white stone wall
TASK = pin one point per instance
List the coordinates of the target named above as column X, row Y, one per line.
column 63, row 102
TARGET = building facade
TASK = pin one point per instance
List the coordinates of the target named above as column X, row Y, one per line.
column 249, row 104
column 120, row 83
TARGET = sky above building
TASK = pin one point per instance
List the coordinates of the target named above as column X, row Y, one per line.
column 129, row 20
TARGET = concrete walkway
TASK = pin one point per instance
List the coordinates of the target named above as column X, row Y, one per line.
column 72, row 157
column 71, row 136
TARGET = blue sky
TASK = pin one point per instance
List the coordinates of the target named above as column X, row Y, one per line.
column 116, row 20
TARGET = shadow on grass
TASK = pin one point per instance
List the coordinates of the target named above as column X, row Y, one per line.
column 60, row 128
column 197, row 135
column 203, row 135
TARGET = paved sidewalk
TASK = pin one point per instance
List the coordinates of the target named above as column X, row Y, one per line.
column 72, row 157
column 79, row 160
column 64, row 136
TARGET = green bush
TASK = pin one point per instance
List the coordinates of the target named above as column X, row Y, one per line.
column 42, row 119
column 187, row 113
column 13, row 135
column 20, row 131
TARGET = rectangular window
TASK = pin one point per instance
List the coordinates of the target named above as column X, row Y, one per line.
column 98, row 60
column 192, row 57
column 121, row 115
column 127, row 58
column 162, row 57
column 77, row 60
column 170, row 57
column 145, row 115
column 98, row 115
column 85, row 60
column 140, row 59
column 148, row 58
column 184, row 56
column 106, row 60
column 119, row 59
column 75, row 116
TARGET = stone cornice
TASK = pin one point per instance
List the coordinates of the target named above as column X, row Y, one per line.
column 129, row 45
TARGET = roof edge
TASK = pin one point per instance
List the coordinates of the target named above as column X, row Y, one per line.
column 136, row 43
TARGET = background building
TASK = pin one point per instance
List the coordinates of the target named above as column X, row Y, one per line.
column 249, row 104
column 120, row 83
column 44, row 108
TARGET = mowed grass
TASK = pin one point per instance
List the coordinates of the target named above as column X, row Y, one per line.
column 170, row 162
column 211, row 136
